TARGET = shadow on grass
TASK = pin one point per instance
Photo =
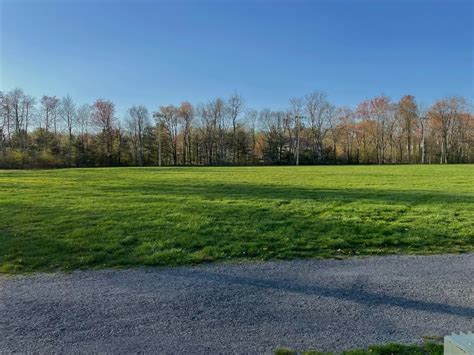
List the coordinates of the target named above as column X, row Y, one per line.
column 255, row 191
column 124, row 238
column 260, row 221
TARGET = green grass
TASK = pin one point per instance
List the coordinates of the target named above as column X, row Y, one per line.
column 120, row 217
column 388, row 349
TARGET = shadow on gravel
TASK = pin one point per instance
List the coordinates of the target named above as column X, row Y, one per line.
column 354, row 294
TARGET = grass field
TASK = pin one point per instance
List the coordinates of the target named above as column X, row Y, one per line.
column 83, row 218
column 387, row 349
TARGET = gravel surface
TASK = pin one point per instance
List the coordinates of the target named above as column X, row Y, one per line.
column 239, row 308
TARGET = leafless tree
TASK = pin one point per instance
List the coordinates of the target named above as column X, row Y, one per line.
column 407, row 110
column 296, row 111
column 5, row 110
column 83, row 119
column 251, row 117
column 28, row 113
column 138, row 121
column 335, row 128
column 445, row 114
column 319, row 111
column 68, row 114
column 379, row 112
column 102, row 116
column 16, row 97
column 186, row 114
column 309, row 130
column 217, row 111
column 170, row 120
column 50, row 105
column 235, row 105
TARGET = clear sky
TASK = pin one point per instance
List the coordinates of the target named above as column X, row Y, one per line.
column 163, row 52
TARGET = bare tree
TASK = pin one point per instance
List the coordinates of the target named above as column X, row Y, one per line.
column 407, row 109
column 273, row 123
column 296, row 111
column 28, row 112
column 444, row 114
column 217, row 111
column 310, row 130
column 50, row 105
column 67, row 112
column 102, row 116
column 83, row 120
column 334, row 126
column 5, row 110
column 138, row 121
column 213, row 130
column 379, row 110
column 171, row 123
column 348, row 129
column 208, row 131
column 251, row 117
column 186, row 114
column 235, row 105
column 16, row 97
column 319, row 112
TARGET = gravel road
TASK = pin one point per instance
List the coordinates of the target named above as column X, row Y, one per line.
column 239, row 308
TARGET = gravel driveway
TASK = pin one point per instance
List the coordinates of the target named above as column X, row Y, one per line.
column 241, row 308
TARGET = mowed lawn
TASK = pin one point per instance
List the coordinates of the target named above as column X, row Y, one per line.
column 122, row 217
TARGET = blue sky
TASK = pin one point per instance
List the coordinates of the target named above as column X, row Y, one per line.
column 161, row 52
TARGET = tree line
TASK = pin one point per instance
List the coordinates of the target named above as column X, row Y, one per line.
column 56, row 132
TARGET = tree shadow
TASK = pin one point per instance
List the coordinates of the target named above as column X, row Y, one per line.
column 353, row 294
column 118, row 227
column 288, row 193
